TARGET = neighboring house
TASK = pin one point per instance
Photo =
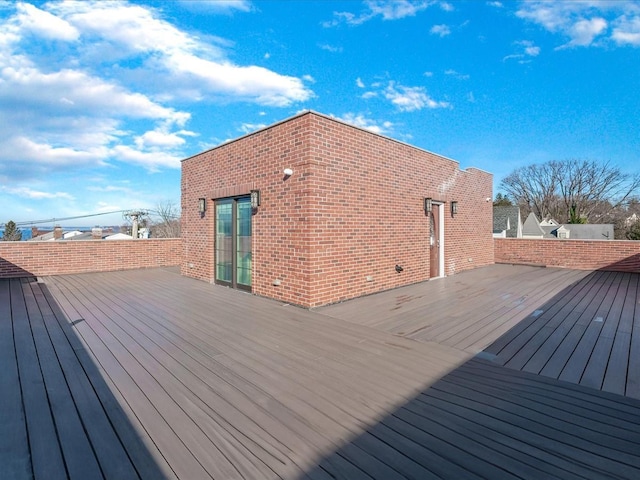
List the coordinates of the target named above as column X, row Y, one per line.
column 589, row 231
column 531, row 227
column 120, row 236
column 312, row 211
column 507, row 222
column 72, row 233
column 96, row 233
column 549, row 222
column 55, row 234
column 550, row 228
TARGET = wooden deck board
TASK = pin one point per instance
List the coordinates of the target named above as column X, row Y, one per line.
column 14, row 444
column 79, row 456
column 468, row 311
column 199, row 381
column 45, row 450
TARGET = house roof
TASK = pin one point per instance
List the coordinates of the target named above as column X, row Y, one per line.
column 591, row 231
column 506, row 218
column 531, row 227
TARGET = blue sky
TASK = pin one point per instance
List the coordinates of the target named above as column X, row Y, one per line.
column 99, row 101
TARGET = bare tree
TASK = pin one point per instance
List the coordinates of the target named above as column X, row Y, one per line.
column 165, row 221
column 571, row 191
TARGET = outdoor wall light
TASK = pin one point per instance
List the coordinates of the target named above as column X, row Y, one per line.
column 454, row 208
column 287, row 172
column 428, row 205
column 202, row 205
column 255, row 199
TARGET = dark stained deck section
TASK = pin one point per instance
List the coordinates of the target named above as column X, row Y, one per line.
column 147, row 374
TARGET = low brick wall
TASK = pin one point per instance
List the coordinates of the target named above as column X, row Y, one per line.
column 19, row 259
column 616, row 255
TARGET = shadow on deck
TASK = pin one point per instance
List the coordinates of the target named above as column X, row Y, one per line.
column 487, row 421
column 60, row 419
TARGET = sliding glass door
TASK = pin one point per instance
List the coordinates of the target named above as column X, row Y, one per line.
column 233, row 242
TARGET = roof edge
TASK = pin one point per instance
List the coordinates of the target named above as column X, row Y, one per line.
column 342, row 122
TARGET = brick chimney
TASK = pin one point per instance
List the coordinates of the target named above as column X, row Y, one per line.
column 57, row 232
column 96, row 233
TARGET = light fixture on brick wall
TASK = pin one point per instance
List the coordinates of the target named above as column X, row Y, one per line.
column 202, row 205
column 428, row 205
column 255, row 199
column 454, row 208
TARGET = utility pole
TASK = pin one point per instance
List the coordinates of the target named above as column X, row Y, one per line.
column 134, row 225
column 135, row 215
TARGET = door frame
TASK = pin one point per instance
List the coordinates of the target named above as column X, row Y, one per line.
column 234, row 227
column 441, row 212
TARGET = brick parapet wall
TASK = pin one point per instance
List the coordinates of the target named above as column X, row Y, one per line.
column 614, row 255
column 19, row 259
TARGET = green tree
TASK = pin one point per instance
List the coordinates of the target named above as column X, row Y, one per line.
column 633, row 232
column 502, row 201
column 11, row 232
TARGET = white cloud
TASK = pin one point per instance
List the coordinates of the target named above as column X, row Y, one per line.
column 396, row 9
column 583, row 32
column 251, row 127
column 360, row 121
column 138, row 30
column 24, row 192
column 161, row 139
column 459, row 76
column 359, row 83
column 216, row 6
column 627, row 31
column 44, row 24
column 446, row 6
column 385, row 9
column 331, row 48
column 51, row 157
column 526, row 50
column 584, row 22
column 441, row 30
column 152, row 161
column 408, row 99
column 495, row 4
column 62, row 110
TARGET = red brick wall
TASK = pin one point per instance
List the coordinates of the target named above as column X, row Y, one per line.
column 352, row 209
column 616, row 255
column 80, row 256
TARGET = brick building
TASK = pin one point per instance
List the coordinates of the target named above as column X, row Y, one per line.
column 338, row 212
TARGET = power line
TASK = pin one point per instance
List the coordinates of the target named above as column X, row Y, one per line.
column 26, row 223
column 56, row 219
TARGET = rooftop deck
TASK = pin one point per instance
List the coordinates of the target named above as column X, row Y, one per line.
column 147, row 374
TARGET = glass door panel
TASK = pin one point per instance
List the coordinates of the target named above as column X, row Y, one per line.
column 224, row 241
column 233, row 242
column 243, row 242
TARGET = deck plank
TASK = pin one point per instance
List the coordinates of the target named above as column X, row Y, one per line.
column 598, row 361
column 43, row 442
column 14, row 444
column 76, row 449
